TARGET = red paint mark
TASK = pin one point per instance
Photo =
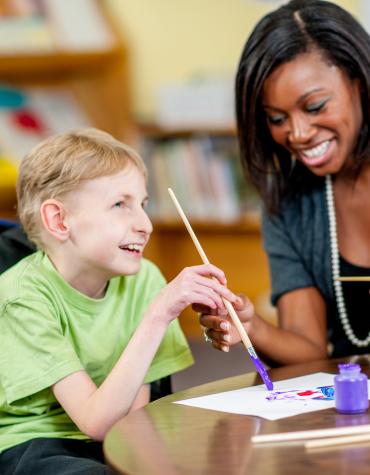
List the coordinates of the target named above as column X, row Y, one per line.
column 307, row 393
column 28, row 120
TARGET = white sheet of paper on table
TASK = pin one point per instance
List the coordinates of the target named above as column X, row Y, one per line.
column 253, row 400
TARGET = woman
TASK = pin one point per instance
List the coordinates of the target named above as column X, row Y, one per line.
column 302, row 100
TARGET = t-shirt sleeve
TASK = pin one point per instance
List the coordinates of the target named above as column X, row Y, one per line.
column 173, row 353
column 34, row 354
column 287, row 268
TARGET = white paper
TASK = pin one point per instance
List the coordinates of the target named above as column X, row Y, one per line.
column 253, row 400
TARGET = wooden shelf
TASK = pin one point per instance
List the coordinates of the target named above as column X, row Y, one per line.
column 53, row 64
column 155, row 132
column 97, row 80
column 250, row 223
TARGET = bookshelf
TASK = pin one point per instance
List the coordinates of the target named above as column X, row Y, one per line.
column 90, row 65
column 232, row 242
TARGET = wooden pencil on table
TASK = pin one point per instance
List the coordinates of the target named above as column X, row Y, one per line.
column 335, row 441
column 334, row 432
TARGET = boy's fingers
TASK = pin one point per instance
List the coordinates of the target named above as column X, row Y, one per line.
column 220, row 289
column 210, row 270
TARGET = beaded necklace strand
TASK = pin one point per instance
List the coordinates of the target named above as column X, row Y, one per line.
column 338, row 290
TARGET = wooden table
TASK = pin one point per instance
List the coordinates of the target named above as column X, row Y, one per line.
column 172, row 439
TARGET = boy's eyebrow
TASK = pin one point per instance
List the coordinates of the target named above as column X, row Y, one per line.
column 127, row 196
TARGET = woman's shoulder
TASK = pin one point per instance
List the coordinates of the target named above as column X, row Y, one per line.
column 301, row 204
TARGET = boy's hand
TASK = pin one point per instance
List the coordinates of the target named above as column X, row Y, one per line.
column 218, row 325
column 194, row 285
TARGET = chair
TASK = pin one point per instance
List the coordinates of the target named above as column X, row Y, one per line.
column 7, row 224
column 14, row 244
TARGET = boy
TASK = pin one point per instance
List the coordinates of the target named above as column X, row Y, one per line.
column 86, row 323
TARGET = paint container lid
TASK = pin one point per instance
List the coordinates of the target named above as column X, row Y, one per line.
column 349, row 368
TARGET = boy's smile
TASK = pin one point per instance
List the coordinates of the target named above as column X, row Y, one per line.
column 108, row 229
column 133, row 248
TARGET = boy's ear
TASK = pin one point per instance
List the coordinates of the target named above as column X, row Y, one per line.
column 52, row 217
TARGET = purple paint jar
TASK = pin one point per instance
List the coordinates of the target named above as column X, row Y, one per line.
column 350, row 389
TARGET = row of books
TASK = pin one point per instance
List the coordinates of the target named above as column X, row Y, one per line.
column 45, row 26
column 205, row 175
column 29, row 115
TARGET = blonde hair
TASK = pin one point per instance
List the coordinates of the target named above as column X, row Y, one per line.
column 60, row 163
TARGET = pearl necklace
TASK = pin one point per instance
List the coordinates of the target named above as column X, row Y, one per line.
column 338, row 291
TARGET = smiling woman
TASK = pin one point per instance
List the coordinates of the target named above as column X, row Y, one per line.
column 302, row 96
column 313, row 110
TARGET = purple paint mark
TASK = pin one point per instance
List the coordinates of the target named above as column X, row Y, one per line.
column 261, row 369
column 321, row 393
column 282, row 395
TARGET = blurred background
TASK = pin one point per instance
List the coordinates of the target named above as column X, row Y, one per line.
column 158, row 75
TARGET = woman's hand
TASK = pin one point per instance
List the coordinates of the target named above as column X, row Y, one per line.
column 218, row 325
column 204, row 285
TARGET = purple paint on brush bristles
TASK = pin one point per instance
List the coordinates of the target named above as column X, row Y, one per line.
column 261, row 369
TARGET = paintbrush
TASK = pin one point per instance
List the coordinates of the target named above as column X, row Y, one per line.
column 358, row 278
column 242, row 332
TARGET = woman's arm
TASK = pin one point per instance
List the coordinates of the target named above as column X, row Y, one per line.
column 300, row 336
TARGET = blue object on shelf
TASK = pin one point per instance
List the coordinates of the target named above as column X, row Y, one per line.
column 11, row 98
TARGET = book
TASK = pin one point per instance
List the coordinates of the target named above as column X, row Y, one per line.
column 206, row 175
column 27, row 116
column 49, row 26
column 24, row 28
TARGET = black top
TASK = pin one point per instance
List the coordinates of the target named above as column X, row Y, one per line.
column 297, row 242
column 357, row 302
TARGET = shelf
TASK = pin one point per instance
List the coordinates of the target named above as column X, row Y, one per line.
column 96, row 80
column 203, row 168
column 250, row 223
column 53, row 64
column 152, row 131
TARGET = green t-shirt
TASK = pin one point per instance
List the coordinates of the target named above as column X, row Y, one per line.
column 49, row 330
